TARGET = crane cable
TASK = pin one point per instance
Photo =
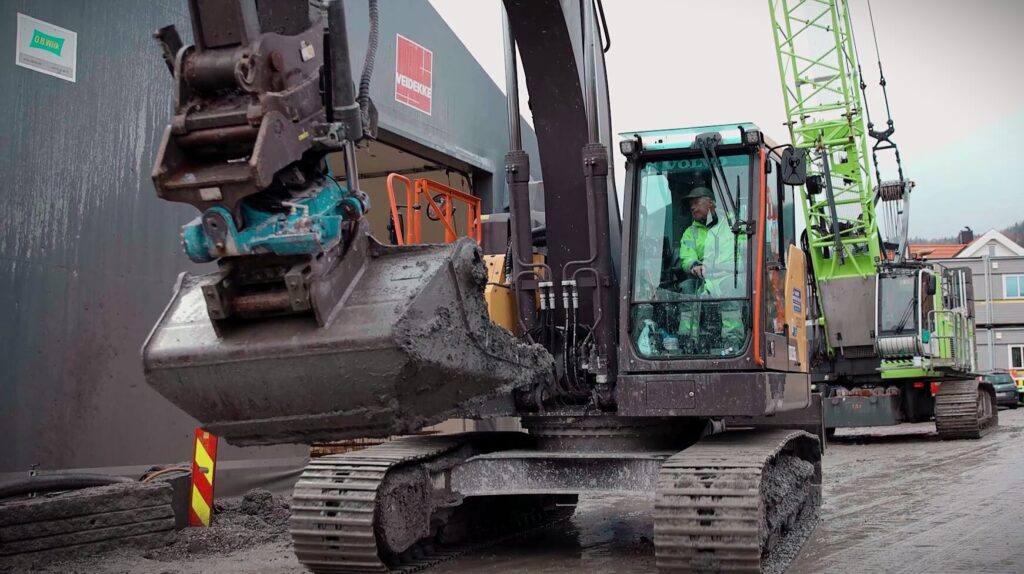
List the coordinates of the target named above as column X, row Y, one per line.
column 895, row 208
column 889, row 194
column 878, row 58
column 882, row 139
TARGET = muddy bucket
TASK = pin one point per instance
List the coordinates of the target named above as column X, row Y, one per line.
column 409, row 345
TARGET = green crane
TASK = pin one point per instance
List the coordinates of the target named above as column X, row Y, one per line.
column 875, row 365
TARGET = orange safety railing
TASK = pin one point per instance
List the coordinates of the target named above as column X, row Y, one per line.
column 403, row 238
column 429, row 190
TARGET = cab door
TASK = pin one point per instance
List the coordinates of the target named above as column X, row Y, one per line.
column 785, row 280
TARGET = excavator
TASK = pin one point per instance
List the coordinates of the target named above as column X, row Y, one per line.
column 628, row 375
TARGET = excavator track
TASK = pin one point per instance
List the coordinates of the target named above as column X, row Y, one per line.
column 730, row 501
column 349, row 509
column 964, row 410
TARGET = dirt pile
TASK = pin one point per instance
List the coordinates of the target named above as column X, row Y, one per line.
column 257, row 518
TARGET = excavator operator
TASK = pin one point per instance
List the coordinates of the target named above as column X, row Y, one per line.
column 691, row 245
column 706, row 254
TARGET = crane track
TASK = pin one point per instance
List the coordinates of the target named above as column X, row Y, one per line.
column 963, row 410
column 337, row 525
column 724, row 504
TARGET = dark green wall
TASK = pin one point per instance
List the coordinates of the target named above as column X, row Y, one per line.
column 88, row 254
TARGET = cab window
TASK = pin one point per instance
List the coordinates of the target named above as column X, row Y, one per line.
column 690, row 276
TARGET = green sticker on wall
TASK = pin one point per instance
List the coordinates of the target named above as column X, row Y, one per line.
column 46, row 42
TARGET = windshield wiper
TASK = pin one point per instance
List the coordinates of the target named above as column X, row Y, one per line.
column 708, row 144
column 907, row 314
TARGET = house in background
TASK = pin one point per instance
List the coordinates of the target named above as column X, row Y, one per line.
column 992, row 244
column 997, row 264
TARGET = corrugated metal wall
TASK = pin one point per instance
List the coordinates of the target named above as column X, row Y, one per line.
column 1005, row 327
column 88, row 254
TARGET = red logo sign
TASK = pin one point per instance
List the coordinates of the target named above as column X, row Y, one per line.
column 414, row 81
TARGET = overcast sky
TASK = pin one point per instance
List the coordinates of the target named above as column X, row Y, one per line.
column 956, row 85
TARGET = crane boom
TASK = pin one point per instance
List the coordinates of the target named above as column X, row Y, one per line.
column 824, row 113
column 820, row 80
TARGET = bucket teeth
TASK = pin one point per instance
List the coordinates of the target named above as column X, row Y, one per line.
column 410, row 344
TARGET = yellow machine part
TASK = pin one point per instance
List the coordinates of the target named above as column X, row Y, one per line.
column 796, row 309
column 501, row 300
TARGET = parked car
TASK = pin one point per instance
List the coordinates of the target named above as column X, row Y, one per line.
column 1005, row 387
column 1018, row 375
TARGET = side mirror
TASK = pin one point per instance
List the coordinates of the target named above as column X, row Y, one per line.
column 794, row 166
column 932, row 285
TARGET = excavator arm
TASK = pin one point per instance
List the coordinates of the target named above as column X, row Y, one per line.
column 309, row 329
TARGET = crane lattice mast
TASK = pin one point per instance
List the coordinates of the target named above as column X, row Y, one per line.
column 820, row 86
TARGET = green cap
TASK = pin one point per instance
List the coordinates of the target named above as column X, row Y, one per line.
column 700, row 192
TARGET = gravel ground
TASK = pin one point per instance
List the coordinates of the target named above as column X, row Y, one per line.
column 895, row 500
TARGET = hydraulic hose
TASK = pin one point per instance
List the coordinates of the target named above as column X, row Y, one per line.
column 371, row 57
column 53, row 482
column 508, row 260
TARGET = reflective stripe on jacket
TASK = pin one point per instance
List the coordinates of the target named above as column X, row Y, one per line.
column 691, row 244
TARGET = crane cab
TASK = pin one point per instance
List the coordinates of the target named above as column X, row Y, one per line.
column 924, row 320
column 714, row 288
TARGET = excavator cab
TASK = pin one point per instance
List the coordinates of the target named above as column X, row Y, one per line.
column 714, row 318
column 690, row 294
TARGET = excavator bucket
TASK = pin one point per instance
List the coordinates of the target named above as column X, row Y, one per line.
column 409, row 345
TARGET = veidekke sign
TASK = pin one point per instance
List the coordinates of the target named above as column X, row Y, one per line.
column 414, row 82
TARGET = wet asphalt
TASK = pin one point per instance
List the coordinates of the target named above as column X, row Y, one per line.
column 896, row 500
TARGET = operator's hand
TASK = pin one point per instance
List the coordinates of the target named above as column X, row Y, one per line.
column 697, row 271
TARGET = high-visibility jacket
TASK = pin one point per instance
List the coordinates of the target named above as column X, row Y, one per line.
column 715, row 247
column 691, row 244
column 717, row 258
column 723, row 256
column 724, row 262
